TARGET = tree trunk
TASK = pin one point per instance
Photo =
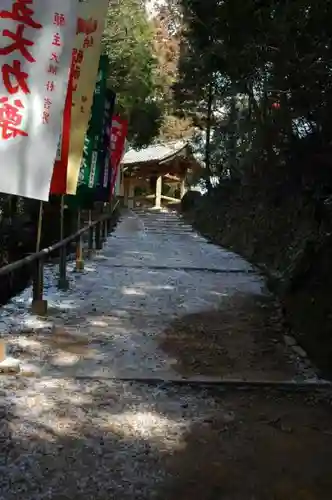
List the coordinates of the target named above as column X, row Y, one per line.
column 208, row 135
column 232, row 145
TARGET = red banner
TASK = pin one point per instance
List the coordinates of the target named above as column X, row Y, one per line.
column 118, row 139
column 59, row 178
column 118, row 136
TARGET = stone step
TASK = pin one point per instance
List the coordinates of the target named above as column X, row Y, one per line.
column 163, row 223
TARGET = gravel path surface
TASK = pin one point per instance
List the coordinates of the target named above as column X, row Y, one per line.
column 70, row 431
column 99, row 440
column 120, row 306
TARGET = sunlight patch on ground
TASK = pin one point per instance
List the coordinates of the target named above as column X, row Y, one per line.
column 142, row 289
column 106, row 321
column 100, row 323
column 35, row 323
column 89, row 268
column 118, row 329
column 133, row 291
column 158, row 287
column 59, row 407
column 63, row 304
column 65, row 359
column 26, row 343
column 49, row 397
column 22, row 299
column 150, row 426
column 222, row 294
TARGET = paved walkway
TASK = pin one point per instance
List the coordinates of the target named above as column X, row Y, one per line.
column 77, row 431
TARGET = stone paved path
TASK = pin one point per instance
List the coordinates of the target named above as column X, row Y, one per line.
column 76, row 431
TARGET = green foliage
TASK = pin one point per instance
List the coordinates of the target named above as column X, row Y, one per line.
column 190, row 201
column 166, row 44
column 270, row 67
column 128, row 41
column 143, row 55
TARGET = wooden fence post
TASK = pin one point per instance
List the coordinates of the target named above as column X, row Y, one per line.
column 39, row 305
column 79, row 246
column 63, row 283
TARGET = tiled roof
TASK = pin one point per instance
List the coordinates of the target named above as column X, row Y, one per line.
column 156, row 152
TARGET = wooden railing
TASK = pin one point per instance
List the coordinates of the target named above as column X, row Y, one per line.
column 96, row 231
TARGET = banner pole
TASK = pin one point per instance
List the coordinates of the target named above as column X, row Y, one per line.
column 104, row 223
column 39, row 306
column 10, row 217
column 40, row 224
column 90, row 236
column 79, row 245
column 10, row 208
column 63, row 282
column 62, row 212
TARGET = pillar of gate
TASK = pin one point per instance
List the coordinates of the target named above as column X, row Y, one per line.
column 159, row 185
column 131, row 193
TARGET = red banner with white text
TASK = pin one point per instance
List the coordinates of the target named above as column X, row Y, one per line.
column 59, row 178
column 118, row 139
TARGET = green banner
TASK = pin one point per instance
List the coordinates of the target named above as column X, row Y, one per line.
column 104, row 151
column 88, row 175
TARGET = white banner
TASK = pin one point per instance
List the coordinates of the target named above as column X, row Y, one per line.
column 36, row 42
column 90, row 27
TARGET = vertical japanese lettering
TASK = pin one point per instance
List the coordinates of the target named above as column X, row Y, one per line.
column 11, row 118
column 14, row 78
column 20, row 77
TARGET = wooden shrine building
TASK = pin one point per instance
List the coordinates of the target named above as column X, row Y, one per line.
column 157, row 175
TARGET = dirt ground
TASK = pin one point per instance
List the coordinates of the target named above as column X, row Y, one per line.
column 106, row 440
column 260, row 447
column 80, row 431
column 257, row 446
column 243, row 339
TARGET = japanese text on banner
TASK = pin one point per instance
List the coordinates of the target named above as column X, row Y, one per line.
column 90, row 26
column 118, row 140
column 35, row 53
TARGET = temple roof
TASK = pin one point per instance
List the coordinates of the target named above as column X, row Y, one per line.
column 154, row 153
